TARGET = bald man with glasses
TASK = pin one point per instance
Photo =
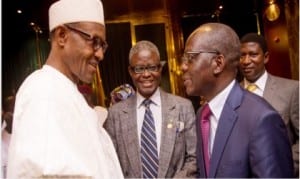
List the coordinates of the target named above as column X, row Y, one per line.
column 172, row 143
column 239, row 134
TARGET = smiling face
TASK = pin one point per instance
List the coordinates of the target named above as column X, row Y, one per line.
column 86, row 59
column 198, row 76
column 210, row 60
column 79, row 59
column 147, row 81
column 252, row 61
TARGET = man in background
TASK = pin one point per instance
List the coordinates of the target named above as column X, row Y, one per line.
column 55, row 132
column 239, row 134
column 281, row 93
column 153, row 131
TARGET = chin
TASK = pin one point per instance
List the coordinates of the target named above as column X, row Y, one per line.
column 87, row 80
column 147, row 92
column 190, row 92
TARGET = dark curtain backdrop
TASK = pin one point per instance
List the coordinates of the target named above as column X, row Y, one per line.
column 114, row 67
column 20, row 60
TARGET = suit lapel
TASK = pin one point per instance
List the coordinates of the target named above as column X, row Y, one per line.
column 268, row 93
column 168, row 133
column 226, row 123
column 130, row 137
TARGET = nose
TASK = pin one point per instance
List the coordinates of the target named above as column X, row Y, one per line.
column 146, row 72
column 245, row 59
column 183, row 67
column 99, row 54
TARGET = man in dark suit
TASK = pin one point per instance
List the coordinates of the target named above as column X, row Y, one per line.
column 281, row 93
column 247, row 137
column 174, row 119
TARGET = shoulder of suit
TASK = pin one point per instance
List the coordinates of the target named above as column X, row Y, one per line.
column 123, row 104
column 176, row 98
column 284, row 81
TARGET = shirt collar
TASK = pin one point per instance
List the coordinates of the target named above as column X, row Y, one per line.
column 155, row 98
column 260, row 82
column 217, row 103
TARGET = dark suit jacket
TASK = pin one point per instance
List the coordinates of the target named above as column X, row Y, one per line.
column 251, row 140
column 177, row 156
column 283, row 95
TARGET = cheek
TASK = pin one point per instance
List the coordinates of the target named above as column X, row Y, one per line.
column 197, row 70
column 80, row 64
column 157, row 77
column 201, row 74
column 134, row 79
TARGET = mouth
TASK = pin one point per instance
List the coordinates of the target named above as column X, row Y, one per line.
column 147, row 84
column 94, row 65
column 186, row 81
column 247, row 70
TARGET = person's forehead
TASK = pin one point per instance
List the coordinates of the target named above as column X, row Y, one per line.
column 90, row 26
column 250, row 45
column 198, row 40
column 143, row 53
column 95, row 29
column 145, row 57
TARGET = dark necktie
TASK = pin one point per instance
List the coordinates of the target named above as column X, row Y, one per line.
column 205, row 126
column 149, row 155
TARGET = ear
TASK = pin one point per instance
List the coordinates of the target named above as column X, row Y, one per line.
column 160, row 68
column 218, row 64
column 266, row 57
column 130, row 71
column 61, row 35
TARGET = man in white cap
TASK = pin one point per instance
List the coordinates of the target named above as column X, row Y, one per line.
column 56, row 134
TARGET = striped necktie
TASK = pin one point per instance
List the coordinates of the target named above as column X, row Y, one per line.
column 149, row 155
column 205, row 128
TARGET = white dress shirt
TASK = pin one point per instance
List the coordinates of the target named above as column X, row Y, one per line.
column 260, row 83
column 155, row 108
column 216, row 106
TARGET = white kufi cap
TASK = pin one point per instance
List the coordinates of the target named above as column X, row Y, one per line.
column 68, row 11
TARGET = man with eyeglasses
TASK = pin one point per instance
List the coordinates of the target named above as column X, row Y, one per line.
column 239, row 134
column 172, row 143
column 56, row 134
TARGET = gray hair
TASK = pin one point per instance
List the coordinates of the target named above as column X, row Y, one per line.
column 143, row 45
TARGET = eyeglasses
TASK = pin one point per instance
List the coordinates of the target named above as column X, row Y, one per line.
column 188, row 57
column 141, row 69
column 97, row 42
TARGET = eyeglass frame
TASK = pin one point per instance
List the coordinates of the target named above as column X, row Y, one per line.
column 155, row 68
column 97, row 42
column 195, row 53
